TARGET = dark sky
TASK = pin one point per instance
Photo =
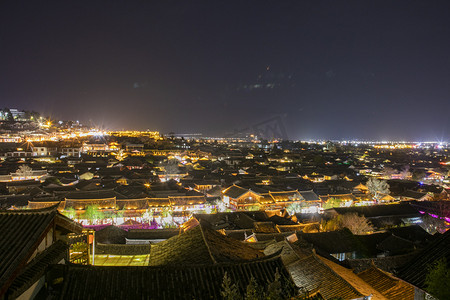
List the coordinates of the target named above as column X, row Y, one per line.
column 329, row 69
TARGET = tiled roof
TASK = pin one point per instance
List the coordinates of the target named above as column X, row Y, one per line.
column 395, row 245
column 158, row 202
column 353, row 279
column 266, row 199
column 413, row 233
column 402, row 209
column 93, row 195
column 310, row 273
column 165, row 193
column 201, row 245
column 228, row 220
column 239, row 234
column 170, row 282
column 206, row 182
column 281, row 220
column 416, row 271
column 339, row 241
column 37, row 267
column 111, row 235
column 9, row 201
column 291, row 228
column 313, row 274
column 286, row 196
column 259, row 216
column 235, row 191
column 342, row 197
column 371, row 241
column 188, row 248
column 122, row 249
column 265, row 227
column 82, row 204
column 261, row 237
column 413, row 194
column 309, row 195
column 67, row 224
column 387, row 263
column 132, row 204
column 43, row 203
column 215, row 191
column 389, row 286
column 152, row 234
column 21, row 231
column 23, row 183
column 187, row 200
column 132, row 191
column 56, row 189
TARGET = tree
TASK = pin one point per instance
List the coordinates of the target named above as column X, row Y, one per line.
column 24, row 171
column 377, row 188
column 332, row 202
column 330, row 225
column 166, row 212
column 294, row 208
column 438, row 280
column 118, row 214
column 254, row 292
column 70, row 213
column 355, row 223
column 274, row 291
column 220, row 205
column 229, row 291
column 93, row 214
column 167, row 218
column 148, row 215
column 254, row 207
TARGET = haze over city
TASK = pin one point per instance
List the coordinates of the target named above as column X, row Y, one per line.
column 329, row 70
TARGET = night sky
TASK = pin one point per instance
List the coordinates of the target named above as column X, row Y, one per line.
column 329, row 69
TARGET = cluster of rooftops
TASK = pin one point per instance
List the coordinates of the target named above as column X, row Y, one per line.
column 191, row 261
column 41, row 182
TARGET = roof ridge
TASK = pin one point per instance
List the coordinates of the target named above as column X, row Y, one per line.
column 315, row 256
column 40, row 221
column 292, row 248
column 65, row 218
column 49, row 209
column 206, row 244
column 433, row 245
column 398, row 281
column 386, row 273
column 179, row 266
column 398, row 237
